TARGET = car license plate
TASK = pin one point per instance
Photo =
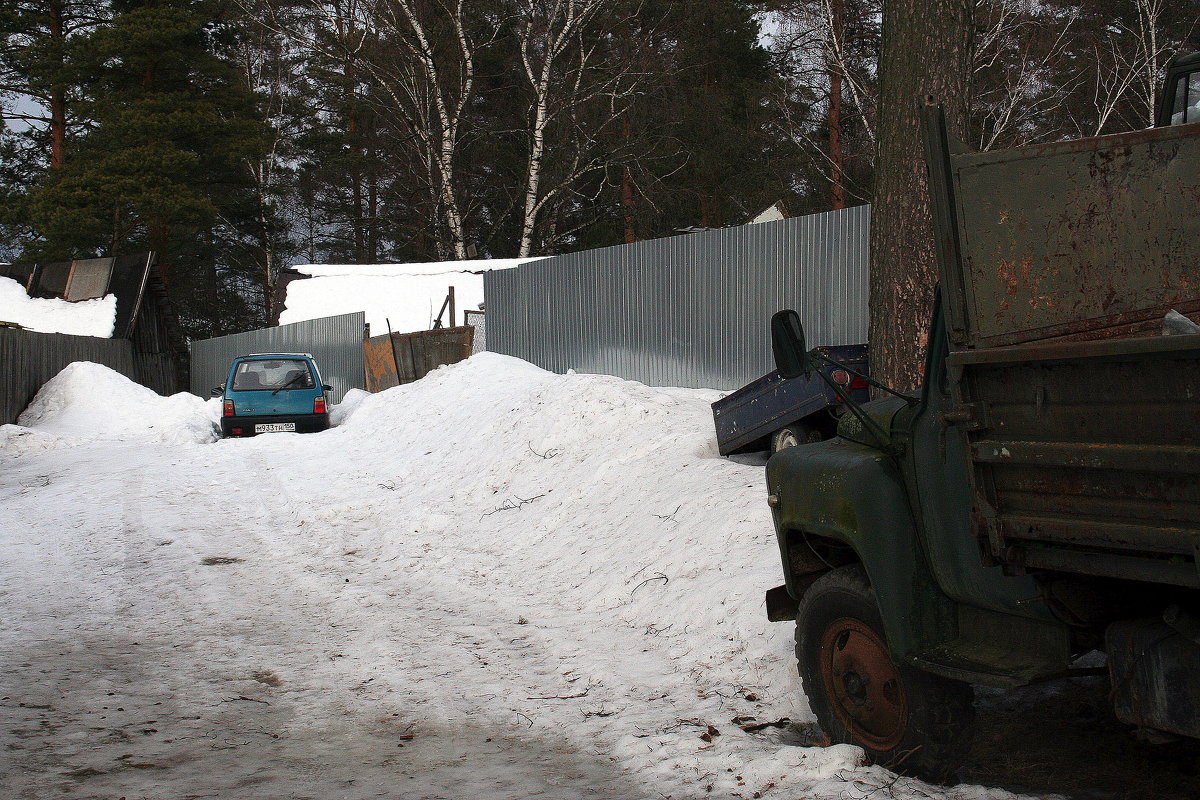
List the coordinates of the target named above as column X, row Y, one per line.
column 274, row 427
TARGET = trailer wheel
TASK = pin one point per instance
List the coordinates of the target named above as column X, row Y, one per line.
column 794, row 434
column 906, row 720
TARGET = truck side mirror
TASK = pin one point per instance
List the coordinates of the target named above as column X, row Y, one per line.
column 787, row 341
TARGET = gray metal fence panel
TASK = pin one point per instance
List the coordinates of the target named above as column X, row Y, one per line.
column 335, row 342
column 688, row 310
column 29, row 359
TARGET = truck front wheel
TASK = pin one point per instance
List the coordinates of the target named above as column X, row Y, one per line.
column 905, row 719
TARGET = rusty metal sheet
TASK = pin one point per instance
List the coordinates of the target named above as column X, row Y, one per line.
column 1067, row 239
column 1152, row 668
column 379, row 366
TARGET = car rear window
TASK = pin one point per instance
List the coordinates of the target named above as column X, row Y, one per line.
column 273, row 373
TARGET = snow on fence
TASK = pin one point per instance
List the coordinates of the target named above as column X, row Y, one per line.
column 689, row 310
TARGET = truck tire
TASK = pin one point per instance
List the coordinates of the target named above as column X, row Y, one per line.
column 906, row 720
column 794, row 434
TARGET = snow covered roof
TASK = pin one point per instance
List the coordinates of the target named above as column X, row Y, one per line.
column 86, row 297
column 405, row 296
column 53, row 315
column 424, row 268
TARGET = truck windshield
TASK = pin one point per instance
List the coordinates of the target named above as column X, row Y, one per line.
column 275, row 373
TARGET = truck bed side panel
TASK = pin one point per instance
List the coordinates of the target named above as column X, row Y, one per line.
column 1086, row 455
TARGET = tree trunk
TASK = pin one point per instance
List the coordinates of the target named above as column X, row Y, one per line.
column 58, row 95
column 837, row 161
column 927, row 49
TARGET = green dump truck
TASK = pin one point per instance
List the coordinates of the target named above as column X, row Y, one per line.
column 1038, row 498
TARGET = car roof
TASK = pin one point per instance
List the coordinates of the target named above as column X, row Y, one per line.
column 275, row 355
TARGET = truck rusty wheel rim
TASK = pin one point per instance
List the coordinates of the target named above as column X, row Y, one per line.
column 863, row 685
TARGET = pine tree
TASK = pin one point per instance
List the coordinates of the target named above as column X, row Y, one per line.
column 163, row 166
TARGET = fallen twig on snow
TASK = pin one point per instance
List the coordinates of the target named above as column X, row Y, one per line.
column 783, row 722
column 658, row 577
column 248, row 699
column 509, row 505
column 551, row 453
column 669, row 517
column 563, row 697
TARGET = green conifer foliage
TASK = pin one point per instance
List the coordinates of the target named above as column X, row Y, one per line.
column 163, row 163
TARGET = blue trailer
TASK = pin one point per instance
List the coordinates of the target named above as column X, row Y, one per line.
column 773, row 412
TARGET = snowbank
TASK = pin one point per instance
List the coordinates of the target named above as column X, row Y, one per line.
column 540, row 586
column 88, row 402
column 340, row 412
column 408, row 296
column 587, row 503
column 85, row 318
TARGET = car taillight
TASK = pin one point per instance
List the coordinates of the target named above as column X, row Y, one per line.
column 859, row 383
column 840, row 377
column 319, row 405
column 229, row 412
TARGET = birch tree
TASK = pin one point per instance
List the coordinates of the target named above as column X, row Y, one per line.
column 558, row 58
column 1019, row 75
column 424, row 66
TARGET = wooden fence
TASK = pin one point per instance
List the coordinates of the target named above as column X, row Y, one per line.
column 406, row 357
column 29, row 359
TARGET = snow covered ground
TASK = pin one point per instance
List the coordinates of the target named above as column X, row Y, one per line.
column 493, row 583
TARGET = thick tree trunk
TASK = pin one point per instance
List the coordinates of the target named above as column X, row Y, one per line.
column 927, row 49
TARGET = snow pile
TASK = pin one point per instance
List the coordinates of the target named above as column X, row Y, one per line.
column 85, row 318
column 408, row 296
column 422, row 268
column 87, row 401
column 340, row 412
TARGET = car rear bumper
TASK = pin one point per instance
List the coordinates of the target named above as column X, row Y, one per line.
column 244, row 426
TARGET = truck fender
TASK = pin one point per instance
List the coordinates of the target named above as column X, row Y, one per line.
column 839, row 502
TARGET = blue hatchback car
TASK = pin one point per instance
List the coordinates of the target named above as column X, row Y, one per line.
column 269, row 392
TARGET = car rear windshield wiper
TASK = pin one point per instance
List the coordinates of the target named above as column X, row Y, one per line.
column 288, row 383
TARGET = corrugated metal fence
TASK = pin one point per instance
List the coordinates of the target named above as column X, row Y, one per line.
column 335, row 342
column 688, row 310
column 29, row 359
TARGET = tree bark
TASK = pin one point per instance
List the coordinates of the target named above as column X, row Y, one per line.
column 58, row 95
column 927, row 50
column 833, row 64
